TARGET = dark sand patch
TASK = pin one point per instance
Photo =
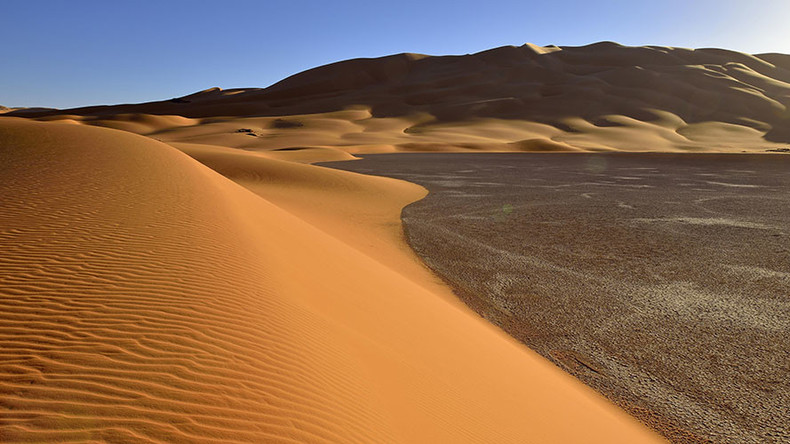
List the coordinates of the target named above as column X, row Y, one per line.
column 661, row 280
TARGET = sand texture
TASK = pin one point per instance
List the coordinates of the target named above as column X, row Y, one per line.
column 147, row 298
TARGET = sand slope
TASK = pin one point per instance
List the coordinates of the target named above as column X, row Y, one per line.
column 603, row 96
column 361, row 211
column 136, row 305
column 147, row 298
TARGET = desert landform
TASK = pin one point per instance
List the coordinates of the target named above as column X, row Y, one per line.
column 660, row 279
column 183, row 271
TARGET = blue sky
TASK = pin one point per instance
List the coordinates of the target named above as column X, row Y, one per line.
column 82, row 52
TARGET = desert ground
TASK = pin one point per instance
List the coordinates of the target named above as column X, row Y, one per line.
column 659, row 279
column 182, row 271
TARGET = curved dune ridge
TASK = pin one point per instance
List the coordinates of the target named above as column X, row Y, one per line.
column 147, row 298
column 599, row 97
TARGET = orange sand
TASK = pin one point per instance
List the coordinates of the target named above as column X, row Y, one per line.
column 147, row 297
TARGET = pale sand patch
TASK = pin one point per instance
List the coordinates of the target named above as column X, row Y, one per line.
column 709, row 221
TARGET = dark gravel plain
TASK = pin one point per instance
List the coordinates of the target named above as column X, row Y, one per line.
column 661, row 280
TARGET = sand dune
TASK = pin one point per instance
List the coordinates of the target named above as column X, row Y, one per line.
column 148, row 298
column 598, row 97
column 239, row 294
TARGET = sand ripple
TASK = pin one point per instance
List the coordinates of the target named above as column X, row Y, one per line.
column 125, row 316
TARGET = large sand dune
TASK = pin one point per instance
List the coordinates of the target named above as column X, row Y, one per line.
column 597, row 97
column 148, row 298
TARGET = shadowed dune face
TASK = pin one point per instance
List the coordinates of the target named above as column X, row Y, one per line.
column 597, row 97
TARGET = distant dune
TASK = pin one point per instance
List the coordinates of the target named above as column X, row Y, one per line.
column 602, row 96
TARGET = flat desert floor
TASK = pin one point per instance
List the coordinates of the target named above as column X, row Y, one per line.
column 661, row 280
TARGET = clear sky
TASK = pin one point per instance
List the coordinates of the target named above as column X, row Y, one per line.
column 63, row 53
